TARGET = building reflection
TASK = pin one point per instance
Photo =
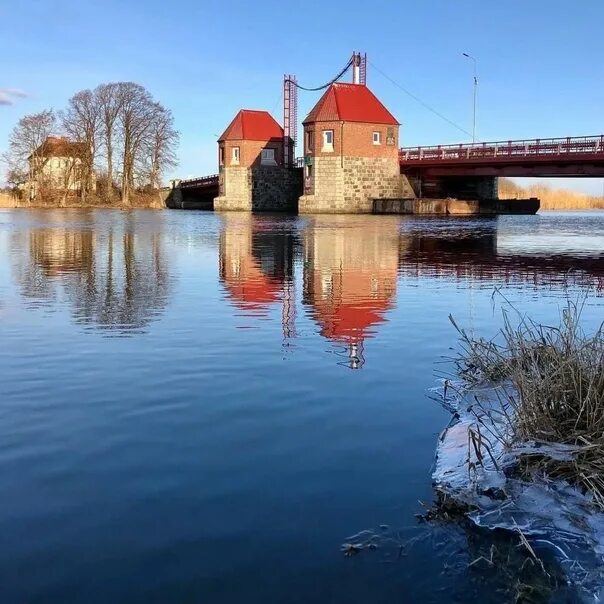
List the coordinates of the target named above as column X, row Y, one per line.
column 256, row 266
column 112, row 275
column 350, row 276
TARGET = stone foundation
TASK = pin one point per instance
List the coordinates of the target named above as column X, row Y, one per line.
column 348, row 185
column 450, row 206
column 259, row 189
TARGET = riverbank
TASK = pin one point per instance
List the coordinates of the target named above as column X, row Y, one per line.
column 155, row 201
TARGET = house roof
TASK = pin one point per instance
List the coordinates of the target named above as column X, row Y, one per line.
column 252, row 125
column 351, row 321
column 350, row 103
column 60, row 146
column 252, row 290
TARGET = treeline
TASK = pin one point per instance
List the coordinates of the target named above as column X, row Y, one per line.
column 127, row 138
column 551, row 199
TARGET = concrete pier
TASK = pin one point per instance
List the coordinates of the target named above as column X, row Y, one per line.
column 452, row 206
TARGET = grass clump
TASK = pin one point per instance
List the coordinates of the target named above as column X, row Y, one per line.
column 550, row 380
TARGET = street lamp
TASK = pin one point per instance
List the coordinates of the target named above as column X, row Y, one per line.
column 465, row 54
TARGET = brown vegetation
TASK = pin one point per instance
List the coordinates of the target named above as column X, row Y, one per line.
column 551, row 199
column 550, row 380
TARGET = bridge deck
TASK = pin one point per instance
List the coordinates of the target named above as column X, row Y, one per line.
column 201, row 182
column 561, row 151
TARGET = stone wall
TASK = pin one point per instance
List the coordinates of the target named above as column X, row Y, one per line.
column 409, row 186
column 260, row 189
column 275, row 189
column 348, row 185
column 237, row 193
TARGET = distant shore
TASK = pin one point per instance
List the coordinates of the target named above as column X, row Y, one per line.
column 154, row 201
column 551, row 199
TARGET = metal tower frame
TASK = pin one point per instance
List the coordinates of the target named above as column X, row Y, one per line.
column 290, row 118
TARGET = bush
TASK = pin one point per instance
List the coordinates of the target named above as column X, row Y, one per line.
column 551, row 378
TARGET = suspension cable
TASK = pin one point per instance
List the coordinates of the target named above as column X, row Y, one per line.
column 422, row 103
column 324, row 85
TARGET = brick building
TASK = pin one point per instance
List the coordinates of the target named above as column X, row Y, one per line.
column 350, row 277
column 252, row 171
column 350, row 152
column 247, row 285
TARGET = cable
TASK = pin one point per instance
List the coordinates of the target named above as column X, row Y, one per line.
column 325, row 85
column 422, row 103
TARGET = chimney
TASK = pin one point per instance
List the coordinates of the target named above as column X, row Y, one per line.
column 356, row 68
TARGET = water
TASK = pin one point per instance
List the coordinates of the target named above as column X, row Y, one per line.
column 201, row 408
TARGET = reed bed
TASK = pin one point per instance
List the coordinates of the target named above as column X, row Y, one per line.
column 551, row 198
column 550, row 382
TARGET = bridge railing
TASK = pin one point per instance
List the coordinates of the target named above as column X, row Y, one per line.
column 202, row 181
column 506, row 149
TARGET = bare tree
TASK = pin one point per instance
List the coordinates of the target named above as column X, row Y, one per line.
column 137, row 111
column 108, row 99
column 82, row 123
column 119, row 121
column 26, row 153
column 160, row 145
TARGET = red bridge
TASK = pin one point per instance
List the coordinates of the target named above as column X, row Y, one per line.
column 571, row 156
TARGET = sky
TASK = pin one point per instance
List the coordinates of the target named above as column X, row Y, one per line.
column 540, row 67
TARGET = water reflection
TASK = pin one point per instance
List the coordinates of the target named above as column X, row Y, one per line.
column 256, row 257
column 498, row 251
column 350, row 274
column 351, row 265
column 110, row 269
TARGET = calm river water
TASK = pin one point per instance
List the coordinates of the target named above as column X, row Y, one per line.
column 202, row 408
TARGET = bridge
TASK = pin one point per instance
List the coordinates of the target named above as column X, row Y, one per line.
column 578, row 156
column 449, row 173
column 570, row 156
column 194, row 193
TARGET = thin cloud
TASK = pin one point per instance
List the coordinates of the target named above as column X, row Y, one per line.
column 9, row 95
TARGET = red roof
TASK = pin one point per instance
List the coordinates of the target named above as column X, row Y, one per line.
column 254, row 293
column 252, row 126
column 60, row 146
column 350, row 103
column 351, row 321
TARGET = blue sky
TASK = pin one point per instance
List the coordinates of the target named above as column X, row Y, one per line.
column 540, row 62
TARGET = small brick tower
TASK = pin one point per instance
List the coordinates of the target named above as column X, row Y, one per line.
column 253, row 175
column 350, row 152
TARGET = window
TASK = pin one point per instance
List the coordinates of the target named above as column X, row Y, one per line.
column 377, row 138
column 327, row 140
column 267, row 157
column 235, row 155
column 310, row 139
column 221, row 156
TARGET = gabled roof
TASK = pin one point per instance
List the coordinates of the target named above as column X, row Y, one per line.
column 351, row 321
column 350, row 103
column 252, row 125
column 60, row 146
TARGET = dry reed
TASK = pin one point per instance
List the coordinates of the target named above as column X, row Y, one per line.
column 551, row 199
column 551, row 379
